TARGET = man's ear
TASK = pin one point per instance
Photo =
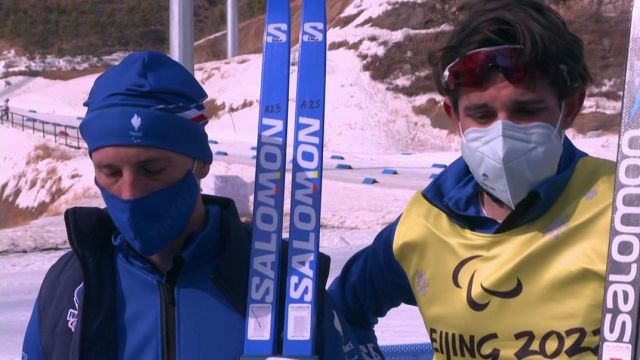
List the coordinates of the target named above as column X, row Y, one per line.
column 201, row 170
column 572, row 107
column 452, row 114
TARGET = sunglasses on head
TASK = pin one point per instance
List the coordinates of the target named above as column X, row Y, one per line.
column 471, row 69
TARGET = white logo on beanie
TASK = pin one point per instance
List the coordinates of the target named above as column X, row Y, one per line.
column 136, row 135
column 136, row 121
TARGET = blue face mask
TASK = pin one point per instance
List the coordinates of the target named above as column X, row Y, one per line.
column 151, row 222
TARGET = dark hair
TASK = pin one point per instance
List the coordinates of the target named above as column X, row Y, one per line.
column 548, row 43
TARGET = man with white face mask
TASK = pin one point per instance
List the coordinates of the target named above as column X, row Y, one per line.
column 505, row 251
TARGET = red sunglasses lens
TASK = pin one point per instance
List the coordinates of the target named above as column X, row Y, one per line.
column 471, row 70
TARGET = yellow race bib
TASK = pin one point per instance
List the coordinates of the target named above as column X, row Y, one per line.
column 530, row 293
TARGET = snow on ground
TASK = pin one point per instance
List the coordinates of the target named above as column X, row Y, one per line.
column 53, row 96
column 370, row 9
column 38, row 172
column 11, row 62
column 21, row 275
column 361, row 116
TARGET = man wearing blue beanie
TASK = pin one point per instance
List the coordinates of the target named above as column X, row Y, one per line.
column 162, row 273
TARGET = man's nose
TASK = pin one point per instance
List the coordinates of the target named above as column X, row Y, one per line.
column 130, row 186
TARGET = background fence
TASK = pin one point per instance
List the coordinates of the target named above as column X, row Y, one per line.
column 63, row 134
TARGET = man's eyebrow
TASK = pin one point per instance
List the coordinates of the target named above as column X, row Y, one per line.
column 105, row 166
column 153, row 161
column 529, row 102
column 143, row 162
column 476, row 107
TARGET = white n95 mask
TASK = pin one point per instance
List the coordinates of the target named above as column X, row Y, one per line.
column 510, row 160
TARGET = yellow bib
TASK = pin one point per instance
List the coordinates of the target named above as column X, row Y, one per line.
column 533, row 292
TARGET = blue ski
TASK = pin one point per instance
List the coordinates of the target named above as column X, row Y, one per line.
column 306, row 187
column 261, row 333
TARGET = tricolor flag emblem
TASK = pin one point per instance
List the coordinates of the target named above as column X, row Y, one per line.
column 193, row 112
column 193, row 115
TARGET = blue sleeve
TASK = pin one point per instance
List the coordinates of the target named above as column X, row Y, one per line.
column 371, row 283
column 32, row 346
column 338, row 340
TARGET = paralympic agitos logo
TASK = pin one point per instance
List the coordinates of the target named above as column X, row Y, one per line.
column 474, row 304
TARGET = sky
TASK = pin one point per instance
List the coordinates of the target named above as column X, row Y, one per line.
column 364, row 124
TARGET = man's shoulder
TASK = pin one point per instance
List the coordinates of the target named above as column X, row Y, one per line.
column 598, row 160
column 59, row 305
column 594, row 166
column 88, row 229
column 65, row 269
column 592, row 175
column 57, row 291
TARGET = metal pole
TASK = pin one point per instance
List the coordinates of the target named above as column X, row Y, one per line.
column 232, row 28
column 181, row 32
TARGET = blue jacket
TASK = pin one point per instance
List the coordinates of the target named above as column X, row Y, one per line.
column 372, row 282
column 103, row 300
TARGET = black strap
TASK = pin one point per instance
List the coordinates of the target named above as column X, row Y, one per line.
column 90, row 231
column 55, row 300
column 233, row 262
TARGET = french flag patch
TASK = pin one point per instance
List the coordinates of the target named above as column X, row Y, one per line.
column 193, row 112
column 193, row 115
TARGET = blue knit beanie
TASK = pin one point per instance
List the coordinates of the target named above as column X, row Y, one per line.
column 148, row 100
